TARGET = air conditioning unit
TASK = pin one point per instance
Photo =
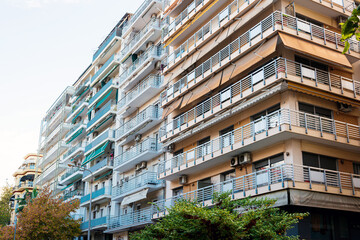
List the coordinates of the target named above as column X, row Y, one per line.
column 244, row 158
column 137, row 167
column 234, row 161
column 143, row 165
column 170, row 148
column 183, row 179
column 344, row 107
column 97, row 208
column 138, row 137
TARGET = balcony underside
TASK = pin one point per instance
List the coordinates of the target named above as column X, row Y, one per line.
column 97, row 172
column 130, row 164
column 98, row 200
column 261, row 141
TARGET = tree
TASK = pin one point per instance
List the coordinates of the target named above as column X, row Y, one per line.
column 351, row 28
column 228, row 219
column 5, row 209
column 28, row 196
column 45, row 218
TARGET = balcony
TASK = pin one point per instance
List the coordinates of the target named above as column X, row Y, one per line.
column 77, row 110
column 24, row 185
column 150, row 33
column 99, row 196
column 82, row 87
column 58, row 117
column 49, row 173
column 267, row 27
column 132, row 220
column 141, row 67
column 277, row 126
column 345, row 6
column 286, row 176
column 142, row 15
column 256, row 82
column 104, row 92
column 73, row 152
column 74, row 194
column 139, row 95
column 58, row 133
column 111, row 40
column 96, row 223
column 53, row 153
column 143, row 151
column 105, row 70
column 145, row 180
column 98, row 168
column 71, row 175
column 142, row 122
column 105, row 113
column 76, row 131
column 108, row 135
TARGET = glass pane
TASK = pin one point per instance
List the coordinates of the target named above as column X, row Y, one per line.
column 310, row 159
column 328, row 163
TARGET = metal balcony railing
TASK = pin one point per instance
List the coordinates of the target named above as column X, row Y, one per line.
column 151, row 112
column 105, row 135
column 136, row 182
column 70, row 172
column 25, row 185
column 73, row 149
column 149, row 144
column 115, row 33
column 73, row 193
column 99, row 165
column 114, row 57
column 76, row 107
column 94, row 223
column 251, row 130
column 155, row 51
column 278, row 175
column 75, row 127
column 137, row 217
column 101, row 192
column 110, row 105
column 271, row 22
column 109, row 84
column 274, row 68
column 153, row 23
column 153, row 81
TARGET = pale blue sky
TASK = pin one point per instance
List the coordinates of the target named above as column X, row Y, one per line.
column 44, row 46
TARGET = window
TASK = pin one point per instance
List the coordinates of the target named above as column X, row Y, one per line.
column 263, row 177
column 203, row 147
column 260, row 123
column 313, row 121
column 319, row 111
column 310, row 20
column 228, row 186
column 315, row 174
column 356, row 168
column 226, row 136
column 178, row 158
column 319, row 161
column 177, row 191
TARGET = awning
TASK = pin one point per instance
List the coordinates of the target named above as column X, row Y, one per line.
column 314, row 50
column 108, row 74
column 27, row 177
column 321, row 94
column 67, row 186
column 104, row 121
column 77, row 115
column 134, row 197
column 85, row 90
column 103, row 99
column 103, row 175
column 173, row 106
column 75, row 135
column 95, row 153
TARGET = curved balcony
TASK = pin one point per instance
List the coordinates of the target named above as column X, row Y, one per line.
column 282, row 124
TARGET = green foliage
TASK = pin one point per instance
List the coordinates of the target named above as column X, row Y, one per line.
column 350, row 28
column 28, row 196
column 228, row 219
column 44, row 218
column 5, row 210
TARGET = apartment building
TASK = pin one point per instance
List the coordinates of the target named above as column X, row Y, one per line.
column 261, row 102
column 24, row 181
column 184, row 98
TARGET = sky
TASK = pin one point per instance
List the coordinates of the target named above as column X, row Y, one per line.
column 44, row 46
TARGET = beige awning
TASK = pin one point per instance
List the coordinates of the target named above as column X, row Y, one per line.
column 135, row 197
column 173, row 106
column 214, row 82
column 315, row 50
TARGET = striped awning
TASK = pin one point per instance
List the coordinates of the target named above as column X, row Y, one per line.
column 103, row 99
column 95, row 153
column 77, row 115
column 103, row 175
column 75, row 135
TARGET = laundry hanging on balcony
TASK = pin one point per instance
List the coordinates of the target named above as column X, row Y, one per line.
column 95, row 153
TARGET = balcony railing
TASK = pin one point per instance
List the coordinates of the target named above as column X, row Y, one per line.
column 109, row 84
column 70, row 172
column 74, row 128
column 72, row 194
column 153, row 23
column 25, row 185
column 109, row 106
column 249, row 131
column 283, row 176
column 94, row 223
column 101, row 192
column 105, row 135
column 234, row 93
column 151, row 112
column 153, row 81
column 275, row 20
column 137, row 217
column 73, row 149
column 115, row 33
column 99, row 165
column 155, row 51
column 76, row 107
column 149, row 144
column 135, row 183
column 114, row 57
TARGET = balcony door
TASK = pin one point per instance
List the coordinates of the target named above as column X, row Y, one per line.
column 266, row 119
column 204, row 147
column 315, row 167
column 265, row 175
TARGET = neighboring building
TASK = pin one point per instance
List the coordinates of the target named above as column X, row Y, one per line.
column 24, row 180
column 184, row 98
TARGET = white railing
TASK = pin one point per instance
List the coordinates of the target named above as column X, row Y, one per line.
column 264, row 124
column 136, row 217
column 273, row 69
column 283, row 176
